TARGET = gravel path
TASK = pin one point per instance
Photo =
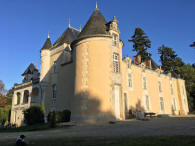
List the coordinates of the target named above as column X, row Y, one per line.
column 154, row 127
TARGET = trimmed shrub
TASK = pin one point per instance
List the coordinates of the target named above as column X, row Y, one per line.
column 4, row 114
column 53, row 119
column 66, row 115
column 60, row 116
column 33, row 115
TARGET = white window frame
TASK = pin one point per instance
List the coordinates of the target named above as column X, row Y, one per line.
column 144, row 83
column 159, row 86
column 116, row 63
column 162, row 106
column 114, row 39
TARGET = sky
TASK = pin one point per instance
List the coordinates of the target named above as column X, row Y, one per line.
column 24, row 25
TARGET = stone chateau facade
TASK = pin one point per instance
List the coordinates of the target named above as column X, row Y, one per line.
column 84, row 72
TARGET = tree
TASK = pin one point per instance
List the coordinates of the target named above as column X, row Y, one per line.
column 33, row 115
column 188, row 73
column 193, row 44
column 169, row 60
column 141, row 43
column 2, row 88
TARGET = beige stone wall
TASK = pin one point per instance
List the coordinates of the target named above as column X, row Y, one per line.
column 136, row 93
column 93, row 78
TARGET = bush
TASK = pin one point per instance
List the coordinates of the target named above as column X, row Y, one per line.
column 33, row 115
column 60, row 116
column 53, row 119
column 4, row 115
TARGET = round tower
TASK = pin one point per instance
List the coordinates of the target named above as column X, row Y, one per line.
column 93, row 58
column 45, row 60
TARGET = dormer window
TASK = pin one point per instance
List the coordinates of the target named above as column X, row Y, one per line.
column 114, row 39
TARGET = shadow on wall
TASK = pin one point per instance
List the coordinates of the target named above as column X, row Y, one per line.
column 83, row 106
column 134, row 109
column 88, row 108
column 58, row 79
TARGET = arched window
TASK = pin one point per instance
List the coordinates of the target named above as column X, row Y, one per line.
column 18, row 97
column 26, row 96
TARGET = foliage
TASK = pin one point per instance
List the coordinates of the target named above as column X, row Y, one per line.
column 188, row 73
column 4, row 114
column 170, row 61
column 60, row 116
column 3, row 91
column 33, row 115
column 141, row 43
column 53, row 119
column 193, row 44
column 3, row 100
column 9, row 96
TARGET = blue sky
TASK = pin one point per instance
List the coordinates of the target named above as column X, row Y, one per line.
column 24, row 25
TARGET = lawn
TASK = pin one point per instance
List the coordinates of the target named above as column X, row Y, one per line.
column 112, row 141
column 26, row 128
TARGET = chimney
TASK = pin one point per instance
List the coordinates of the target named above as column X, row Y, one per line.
column 135, row 59
column 139, row 59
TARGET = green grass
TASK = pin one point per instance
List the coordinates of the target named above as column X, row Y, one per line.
column 113, row 141
column 26, row 128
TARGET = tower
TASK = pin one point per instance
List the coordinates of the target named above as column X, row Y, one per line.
column 45, row 59
column 94, row 69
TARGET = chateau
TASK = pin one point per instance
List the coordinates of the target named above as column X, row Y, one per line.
column 84, row 72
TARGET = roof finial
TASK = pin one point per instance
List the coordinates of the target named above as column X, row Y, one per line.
column 96, row 5
column 80, row 27
column 69, row 22
column 48, row 36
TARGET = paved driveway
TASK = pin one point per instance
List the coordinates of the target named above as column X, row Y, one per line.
column 154, row 127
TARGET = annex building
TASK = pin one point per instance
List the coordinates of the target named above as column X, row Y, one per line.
column 85, row 72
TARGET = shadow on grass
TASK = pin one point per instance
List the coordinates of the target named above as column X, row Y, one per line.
column 113, row 141
column 37, row 127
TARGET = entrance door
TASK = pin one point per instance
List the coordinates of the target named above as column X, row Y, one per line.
column 117, row 101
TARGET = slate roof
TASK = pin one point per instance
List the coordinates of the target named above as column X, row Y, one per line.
column 47, row 44
column 31, row 68
column 96, row 25
column 68, row 37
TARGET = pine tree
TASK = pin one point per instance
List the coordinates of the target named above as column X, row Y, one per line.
column 170, row 61
column 141, row 43
column 192, row 45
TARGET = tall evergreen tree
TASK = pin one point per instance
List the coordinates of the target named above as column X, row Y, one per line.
column 169, row 60
column 141, row 43
column 192, row 45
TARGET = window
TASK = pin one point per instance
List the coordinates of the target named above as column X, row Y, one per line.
column 54, row 91
column 26, row 96
column 116, row 66
column 162, row 107
column 173, row 104
column 159, row 86
column 183, row 90
column 114, row 39
column 129, row 80
column 171, row 89
column 18, row 98
column 144, row 82
column 128, row 65
column 54, row 66
column 147, row 103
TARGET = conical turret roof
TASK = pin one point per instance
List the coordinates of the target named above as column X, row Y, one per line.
column 47, row 44
column 96, row 25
